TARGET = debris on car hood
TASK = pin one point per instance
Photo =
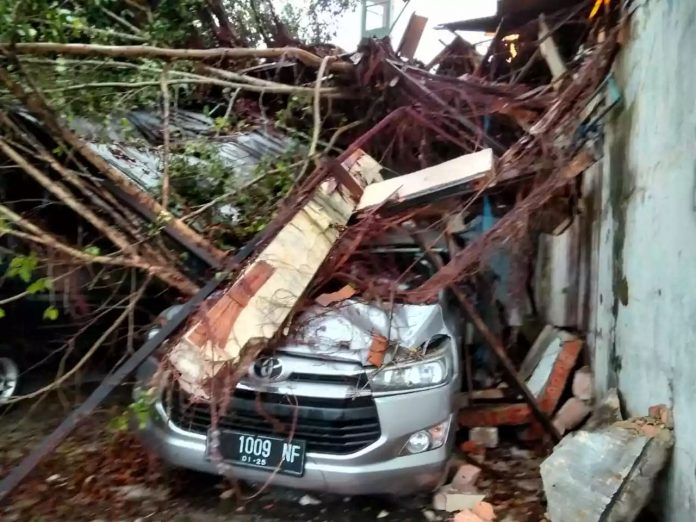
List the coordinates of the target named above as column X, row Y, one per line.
column 345, row 332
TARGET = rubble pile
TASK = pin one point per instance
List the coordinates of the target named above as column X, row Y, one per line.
column 478, row 156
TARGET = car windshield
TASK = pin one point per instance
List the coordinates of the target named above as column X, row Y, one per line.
column 398, row 268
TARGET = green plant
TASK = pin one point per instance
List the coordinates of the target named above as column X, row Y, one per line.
column 23, row 266
column 137, row 411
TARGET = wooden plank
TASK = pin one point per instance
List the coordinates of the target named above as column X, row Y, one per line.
column 549, row 51
column 412, row 36
column 497, row 346
column 432, row 182
column 269, row 294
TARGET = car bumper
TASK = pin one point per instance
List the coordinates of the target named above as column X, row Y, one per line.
column 378, row 469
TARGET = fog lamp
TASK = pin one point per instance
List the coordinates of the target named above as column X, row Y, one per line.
column 428, row 439
column 418, row 442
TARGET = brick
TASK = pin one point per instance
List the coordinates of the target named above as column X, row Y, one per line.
column 465, row 478
column 378, row 349
column 571, row 414
column 467, row 516
column 485, row 511
column 662, row 413
column 583, row 385
column 486, row 436
column 475, row 450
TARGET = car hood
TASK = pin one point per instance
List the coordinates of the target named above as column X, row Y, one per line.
column 345, row 332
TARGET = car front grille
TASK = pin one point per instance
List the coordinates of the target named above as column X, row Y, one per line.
column 333, row 426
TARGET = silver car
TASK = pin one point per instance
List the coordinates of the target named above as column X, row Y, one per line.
column 316, row 415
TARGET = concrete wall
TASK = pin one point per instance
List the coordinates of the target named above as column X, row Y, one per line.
column 645, row 297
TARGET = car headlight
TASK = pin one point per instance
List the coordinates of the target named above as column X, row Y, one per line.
column 434, row 368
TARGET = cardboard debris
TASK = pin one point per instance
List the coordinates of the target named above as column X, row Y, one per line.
column 606, row 475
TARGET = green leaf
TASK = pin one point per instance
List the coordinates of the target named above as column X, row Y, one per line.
column 92, row 250
column 2, row 313
column 40, row 285
column 23, row 267
column 51, row 313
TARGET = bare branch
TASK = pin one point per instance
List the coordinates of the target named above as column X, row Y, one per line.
column 147, row 51
column 170, row 276
column 120, row 20
column 174, row 226
column 117, row 322
column 37, row 235
column 164, row 85
column 317, row 107
column 278, row 88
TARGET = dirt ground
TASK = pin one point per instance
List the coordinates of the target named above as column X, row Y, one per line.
column 102, row 474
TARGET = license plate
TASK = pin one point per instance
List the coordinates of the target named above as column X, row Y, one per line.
column 261, row 452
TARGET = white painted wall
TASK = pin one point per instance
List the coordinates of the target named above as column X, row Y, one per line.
column 645, row 304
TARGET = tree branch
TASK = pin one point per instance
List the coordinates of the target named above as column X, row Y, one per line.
column 164, row 86
column 37, row 235
column 117, row 322
column 147, row 51
column 152, row 208
column 170, row 276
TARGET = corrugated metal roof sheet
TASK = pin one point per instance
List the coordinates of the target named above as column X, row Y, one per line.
column 141, row 162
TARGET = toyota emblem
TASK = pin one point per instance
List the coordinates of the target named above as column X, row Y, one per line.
column 268, row 368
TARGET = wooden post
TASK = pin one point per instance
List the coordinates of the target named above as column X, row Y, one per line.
column 496, row 345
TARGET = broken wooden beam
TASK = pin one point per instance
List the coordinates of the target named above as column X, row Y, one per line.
column 429, row 184
column 257, row 304
column 412, row 36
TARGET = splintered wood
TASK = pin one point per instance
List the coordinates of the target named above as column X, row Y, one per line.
column 255, row 307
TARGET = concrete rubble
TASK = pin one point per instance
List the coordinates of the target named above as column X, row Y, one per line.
column 607, row 474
